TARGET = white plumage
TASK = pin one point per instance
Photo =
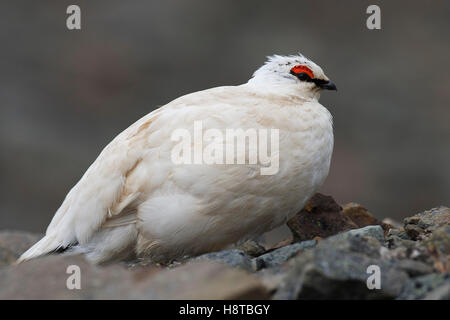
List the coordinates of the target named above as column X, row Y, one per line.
column 134, row 200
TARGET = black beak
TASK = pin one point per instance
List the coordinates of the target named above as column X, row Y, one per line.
column 327, row 85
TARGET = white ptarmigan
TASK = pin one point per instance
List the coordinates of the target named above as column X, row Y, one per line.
column 134, row 200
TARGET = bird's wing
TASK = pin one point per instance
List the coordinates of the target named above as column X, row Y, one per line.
column 129, row 168
column 102, row 196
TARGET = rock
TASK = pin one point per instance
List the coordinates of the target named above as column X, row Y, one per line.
column 14, row 243
column 425, row 237
column 432, row 286
column 358, row 241
column 440, row 293
column 414, row 262
column 439, row 241
column 202, row 281
column 362, row 217
column 337, row 269
column 375, row 232
column 426, row 222
column 393, row 223
column 398, row 238
column 281, row 255
column 252, row 248
column 413, row 268
column 413, row 231
column 283, row 243
column 321, row 217
column 438, row 247
column 46, row 278
column 272, row 278
column 233, row 258
column 327, row 273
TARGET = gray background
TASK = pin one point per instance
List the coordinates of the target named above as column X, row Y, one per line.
column 65, row 94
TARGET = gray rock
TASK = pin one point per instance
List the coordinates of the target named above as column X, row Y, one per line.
column 398, row 239
column 438, row 247
column 337, row 269
column 233, row 258
column 413, row 268
column 414, row 231
column 432, row 286
column 434, row 218
column 413, row 262
column 330, row 274
column 46, row 278
column 281, row 255
column 440, row 293
column 14, row 243
column 202, row 280
column 427, row 221
column 252, row 248
column 357, row 240
column 369, row 231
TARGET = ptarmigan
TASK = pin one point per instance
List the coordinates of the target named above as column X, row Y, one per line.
column 136, row 200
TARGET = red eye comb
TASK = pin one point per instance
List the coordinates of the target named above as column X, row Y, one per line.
column 299, row 69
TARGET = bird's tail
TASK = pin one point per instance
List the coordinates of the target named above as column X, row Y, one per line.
column 47, row 244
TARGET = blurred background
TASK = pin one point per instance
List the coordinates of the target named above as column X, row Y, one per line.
column 65, row 94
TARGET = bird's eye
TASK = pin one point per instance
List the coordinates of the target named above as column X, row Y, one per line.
column 303, row 76
column 302, row 72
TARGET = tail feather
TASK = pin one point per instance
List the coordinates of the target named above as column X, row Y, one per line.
column 46, row 245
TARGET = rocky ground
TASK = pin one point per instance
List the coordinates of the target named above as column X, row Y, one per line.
column 326, row 258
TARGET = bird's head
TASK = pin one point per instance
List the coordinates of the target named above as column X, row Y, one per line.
column 294, row 72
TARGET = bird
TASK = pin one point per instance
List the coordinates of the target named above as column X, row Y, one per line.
column 136, row 201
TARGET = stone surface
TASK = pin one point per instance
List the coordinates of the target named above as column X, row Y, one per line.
column 440, row 293
column 429, row 220
column 321, row 217
column 414, row 261
column 337, row 269
column 425, row 237
column 14, row 243
column 252, row 248
column 202, row 281
column 362, row 217
column 46, row 278
column 281, row 255
column 433, row 286
column 438, row 247
column 369, row 231
column 233, row 258
column 412, row 267
column 398, row 238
